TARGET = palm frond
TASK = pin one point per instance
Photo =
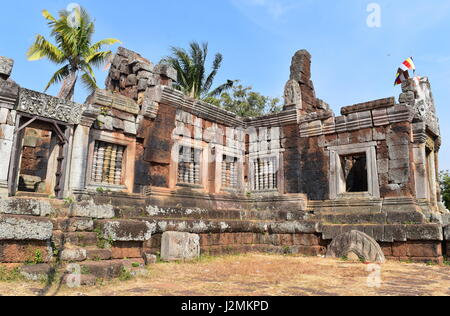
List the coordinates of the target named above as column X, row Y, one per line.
column 98, row 59
column 220, row 89
column 58, row 76
column 89, row 82
column 105, row 42
column 42, row 48
column 216, row 66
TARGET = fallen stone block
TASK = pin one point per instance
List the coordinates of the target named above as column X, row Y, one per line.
column 126, row 230
column 149, row 258
column 14, row 227
column 356, row 243
column 177, row 246
column 73, row 280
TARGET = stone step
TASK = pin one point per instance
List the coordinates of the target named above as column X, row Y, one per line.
column 82, row 239
column 162, row 225
column 97, row 254
column 412, row 217
column 109, row 269
column 231, row 214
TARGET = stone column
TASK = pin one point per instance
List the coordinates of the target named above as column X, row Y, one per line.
column 80, row 150
column 9, row 92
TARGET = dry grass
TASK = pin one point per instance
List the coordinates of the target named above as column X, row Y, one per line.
column 265, row 275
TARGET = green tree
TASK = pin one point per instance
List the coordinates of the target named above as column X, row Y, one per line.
column 190, row 64
column 445, row 187
column 74, row 50
column 245, row 102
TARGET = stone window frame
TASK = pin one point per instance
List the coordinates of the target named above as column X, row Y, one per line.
column 338, row 187
column 195, row 144
column 128, row 163
column 274, row 153
column 234, row 153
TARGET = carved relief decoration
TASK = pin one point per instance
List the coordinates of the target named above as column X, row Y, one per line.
column 46, row 106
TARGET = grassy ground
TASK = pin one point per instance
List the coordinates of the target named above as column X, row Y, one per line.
column 263, row 275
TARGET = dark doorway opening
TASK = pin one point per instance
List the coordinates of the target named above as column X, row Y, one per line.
column 38, row 161
column 355, row 171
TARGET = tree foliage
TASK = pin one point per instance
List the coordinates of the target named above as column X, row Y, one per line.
column 245, row 102
column 190, row 64
column 73, row 50
column 445, row 187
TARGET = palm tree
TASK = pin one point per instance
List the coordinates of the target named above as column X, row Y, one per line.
column 74, row 50
column 192, row 78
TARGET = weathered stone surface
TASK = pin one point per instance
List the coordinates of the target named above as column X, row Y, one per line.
column 424, row 232
column 103, row 269
column 76, row 224
column 26, row 207
column 6, row 66
column 99, row 254
column 126, row 249
column 90, row 209
column 37, row 272
column 357, row 243
column 13, row 251
column 166, row 70
column 126, row 230
column 293, row 94
column 180, row 246
column 73, row 254
column 14, row 227
column 80, row 224
column 81, row 239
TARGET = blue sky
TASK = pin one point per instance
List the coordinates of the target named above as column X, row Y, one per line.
column 352, row 62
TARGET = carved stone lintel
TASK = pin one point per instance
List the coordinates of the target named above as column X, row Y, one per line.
column 46, row 106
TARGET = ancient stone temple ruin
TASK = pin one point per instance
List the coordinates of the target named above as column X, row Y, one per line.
column 142, row 170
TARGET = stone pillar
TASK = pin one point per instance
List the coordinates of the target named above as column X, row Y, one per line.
column 80, row 150
column 9, row 92
column 420, row 173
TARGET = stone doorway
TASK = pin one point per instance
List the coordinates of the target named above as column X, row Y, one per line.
column 38, row 161
column 355, row 173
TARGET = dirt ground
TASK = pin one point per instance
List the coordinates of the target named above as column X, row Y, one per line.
column 264, row 275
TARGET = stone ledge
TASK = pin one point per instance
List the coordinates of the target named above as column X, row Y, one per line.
column 233, row 226
column 370, row 105
column 126, row 230
column 26, row 207
column 14, row 227
column 388, row 233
